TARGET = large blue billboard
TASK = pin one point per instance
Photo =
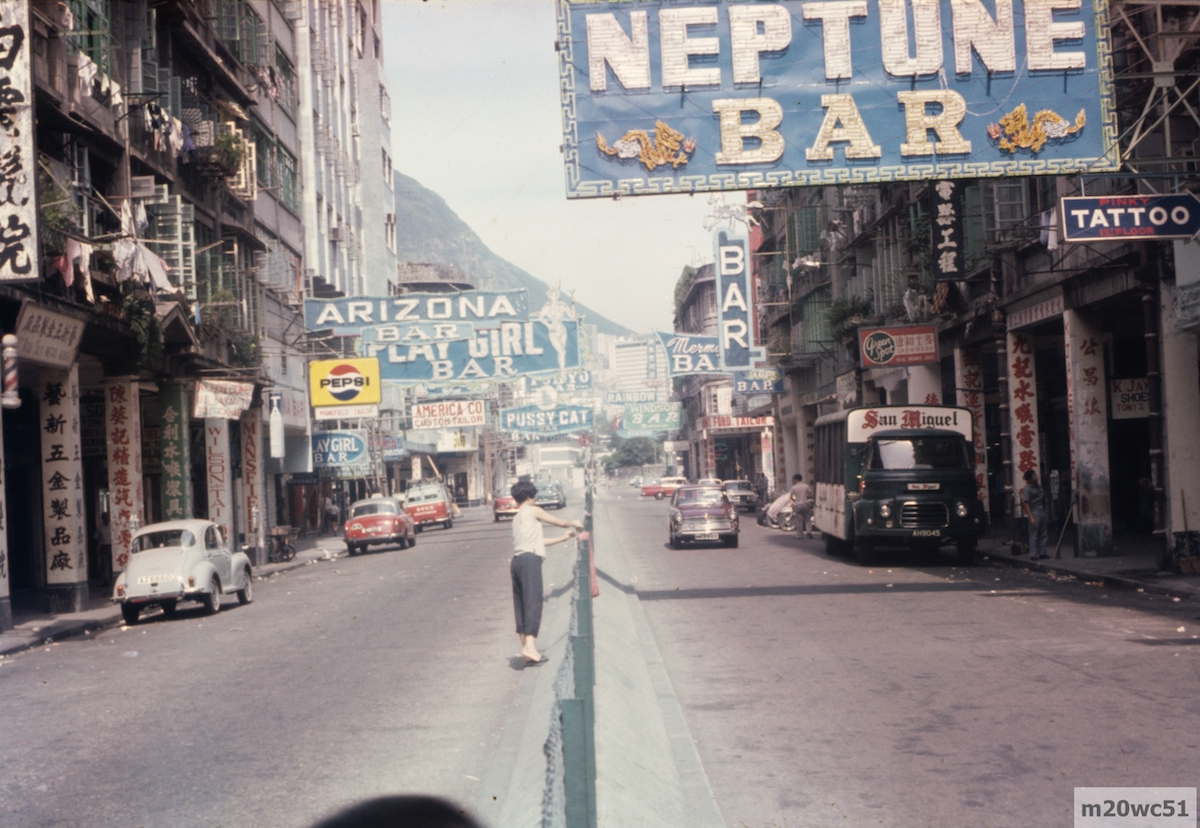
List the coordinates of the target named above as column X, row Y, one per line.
column 686, row 96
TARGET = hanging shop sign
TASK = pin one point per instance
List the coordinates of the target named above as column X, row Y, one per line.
column 1126, row 217
column 691, row 354
column 623, row 397
column 656, row 417
column 567, row 383
column 948, row 242
column 344, row 450
column 758, row 381
column 1129, row 398
column 732, row 257
column 449, row 414
column 346, row 412
column 530, row 419
column 344, row 382
column 221, row 400
column 717, row 422
column 350, row 316
column 505, row 352
column 702, row 95
column 43, row 336
column 898, row 345
column 19, row 171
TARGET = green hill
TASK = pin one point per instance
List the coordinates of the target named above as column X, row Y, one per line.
column 428, row 231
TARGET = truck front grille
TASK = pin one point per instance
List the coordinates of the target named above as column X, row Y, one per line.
column 924, row 515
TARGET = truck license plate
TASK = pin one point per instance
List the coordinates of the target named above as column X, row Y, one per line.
column 707, row 536
column 927, row 533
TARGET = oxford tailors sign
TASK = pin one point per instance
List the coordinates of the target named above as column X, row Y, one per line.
column 703, row 95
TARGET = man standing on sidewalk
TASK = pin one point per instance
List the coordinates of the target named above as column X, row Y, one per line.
column 802, row 505
column 1033, row 503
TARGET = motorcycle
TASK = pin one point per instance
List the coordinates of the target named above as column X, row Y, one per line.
column 779, row 515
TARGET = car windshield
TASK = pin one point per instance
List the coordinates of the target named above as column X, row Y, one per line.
column 699, row 497
column 737, row 486
column 381, row 507
column 427, row 495
column 920, row 453
column 167, row 539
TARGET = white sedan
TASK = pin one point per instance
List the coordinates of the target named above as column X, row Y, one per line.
column 181, row 560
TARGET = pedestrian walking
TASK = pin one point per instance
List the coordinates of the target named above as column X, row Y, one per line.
column 529, row 550
column 802, row 505
column 1033, row 504
column 331, row 514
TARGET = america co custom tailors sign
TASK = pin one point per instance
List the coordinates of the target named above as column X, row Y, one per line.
column 702, row 95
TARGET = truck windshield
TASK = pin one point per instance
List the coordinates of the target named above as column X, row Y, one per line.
column 919, row 453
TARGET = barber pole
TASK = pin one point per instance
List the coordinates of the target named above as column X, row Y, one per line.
column 10, row 398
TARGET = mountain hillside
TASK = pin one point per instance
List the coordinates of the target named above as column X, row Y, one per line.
column 427, row 230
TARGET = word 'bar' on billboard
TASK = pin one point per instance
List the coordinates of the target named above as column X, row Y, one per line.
column 1124, row 217
column 721, row 95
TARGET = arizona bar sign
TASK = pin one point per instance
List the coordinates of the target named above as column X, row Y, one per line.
column 720, row 95
column 902, row 345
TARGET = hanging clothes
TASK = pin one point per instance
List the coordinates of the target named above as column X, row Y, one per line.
column 85, row 270
column 124, row 252
column 188, row 144
column 87, row 70
column 118, row 100
column 68, row 272
column 126, row 218
column 139, row 216
column 176, row 136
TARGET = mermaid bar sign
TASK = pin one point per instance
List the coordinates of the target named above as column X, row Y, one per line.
column 703, row 95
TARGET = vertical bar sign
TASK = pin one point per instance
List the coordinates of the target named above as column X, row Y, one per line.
column 946, row 224
column 733, row 298
column 18, row 158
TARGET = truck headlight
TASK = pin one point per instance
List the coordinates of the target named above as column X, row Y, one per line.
column 885, row 510
column 961, row 510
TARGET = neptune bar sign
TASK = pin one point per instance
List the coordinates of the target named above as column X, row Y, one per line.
column 703, row 95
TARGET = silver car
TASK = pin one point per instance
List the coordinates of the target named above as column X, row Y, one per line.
column 181, row 560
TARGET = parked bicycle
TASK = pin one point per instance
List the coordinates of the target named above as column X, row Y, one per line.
column 281, row 546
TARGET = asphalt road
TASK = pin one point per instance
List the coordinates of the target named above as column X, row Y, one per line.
column 389, row 672
column 820, row 693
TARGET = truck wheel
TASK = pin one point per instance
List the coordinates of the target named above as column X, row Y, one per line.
column 966, row 551
column 864, row 551
column 832, row 546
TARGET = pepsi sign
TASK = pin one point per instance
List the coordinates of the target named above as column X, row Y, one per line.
column 334, row 382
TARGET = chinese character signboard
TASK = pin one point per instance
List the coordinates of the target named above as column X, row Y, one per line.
column 62, row 477
column 1023, row 406
column 123, row 434
column 18, row 157
column 222, row 400
column 46, row 337
column 716, row 95
column 900, row 345
column 176, row 452
column 970, row 395
column 946, row 222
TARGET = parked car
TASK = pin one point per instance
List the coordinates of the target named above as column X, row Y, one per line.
column 504, row 506
column 378, row 520
column 427, row 503
column 181, row 560
column 658, row 489
column 550, row 494
column 708, row 481
column 702, row 513
column 636, row 481
column 741, row 494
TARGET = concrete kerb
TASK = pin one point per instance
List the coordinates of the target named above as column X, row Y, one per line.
column 647, row 767
column 47, row 629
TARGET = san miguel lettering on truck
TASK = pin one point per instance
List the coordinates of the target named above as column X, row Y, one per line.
column 700, row 95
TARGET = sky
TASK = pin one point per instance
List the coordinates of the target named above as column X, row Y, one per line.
column 476, row 118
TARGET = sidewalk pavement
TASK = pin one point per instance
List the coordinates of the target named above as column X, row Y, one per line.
column 32, row 628
column 1132, row 566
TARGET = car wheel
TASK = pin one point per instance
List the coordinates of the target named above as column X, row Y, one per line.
column 449, row 524
column 965, row 555
column 659, row 496
column 130, row 612
column 246, row 593
column 412, row 541
column 351, row 549
column 676, row 542
column 864, row 551
column 212, row 599
column 168, row 608
column 496, row 516
column 731, row 541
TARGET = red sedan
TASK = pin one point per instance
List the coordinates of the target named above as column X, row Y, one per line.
column 379, row 520
column 503, row 506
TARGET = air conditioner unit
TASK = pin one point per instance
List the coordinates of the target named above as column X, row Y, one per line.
column 335, row 234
